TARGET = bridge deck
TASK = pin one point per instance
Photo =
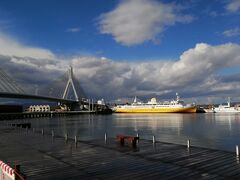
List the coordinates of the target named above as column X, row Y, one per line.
column 42, row 157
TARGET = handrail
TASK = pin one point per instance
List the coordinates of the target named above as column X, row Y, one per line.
column 18, row 176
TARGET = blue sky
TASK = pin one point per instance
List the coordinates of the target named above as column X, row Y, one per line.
column 138, row 47
column 48, row 24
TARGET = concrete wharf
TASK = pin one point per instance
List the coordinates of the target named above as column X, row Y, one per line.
column 26, row 115
column 46, row 157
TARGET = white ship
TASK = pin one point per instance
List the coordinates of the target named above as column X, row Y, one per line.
column 227, row 108
column 152, row 106
column 209, row 110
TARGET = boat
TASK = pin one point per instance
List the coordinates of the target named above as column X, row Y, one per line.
column 210, row 109
column 207, row 110
column 152, row 106
column 227, row 108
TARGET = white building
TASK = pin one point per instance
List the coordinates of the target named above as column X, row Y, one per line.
column 39, row 108
column 101, row 102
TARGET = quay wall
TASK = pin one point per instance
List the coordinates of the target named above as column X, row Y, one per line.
column 26, row 115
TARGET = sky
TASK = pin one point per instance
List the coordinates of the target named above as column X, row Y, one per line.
column 122, row 48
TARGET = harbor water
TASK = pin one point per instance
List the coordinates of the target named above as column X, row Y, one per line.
column 211, row 130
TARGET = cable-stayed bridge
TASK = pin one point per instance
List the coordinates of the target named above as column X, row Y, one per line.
column 65, row 89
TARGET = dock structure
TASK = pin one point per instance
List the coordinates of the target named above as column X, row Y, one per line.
column 47, row 157
column 30, row 115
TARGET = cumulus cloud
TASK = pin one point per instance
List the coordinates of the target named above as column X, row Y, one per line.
column 133, row 22
column 233, row 6
column 232, row 32
column 11, row 47
column 195, row 73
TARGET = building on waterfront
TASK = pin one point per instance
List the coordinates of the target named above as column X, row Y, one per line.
column 39, row 108
column 61, row 108
column 101, row 102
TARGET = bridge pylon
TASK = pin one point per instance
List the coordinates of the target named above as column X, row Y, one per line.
column 70, row 83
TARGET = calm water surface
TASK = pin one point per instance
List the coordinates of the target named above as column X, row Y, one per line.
column 218, row 131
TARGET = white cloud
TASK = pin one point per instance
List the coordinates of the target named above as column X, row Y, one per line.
column 11, row 47
column 233, row 6
column 73, row 30
column 232, row 32
column 195, row 73
column 133, row 22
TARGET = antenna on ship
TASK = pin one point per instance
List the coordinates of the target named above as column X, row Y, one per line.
column 178, row 98
column 135, row 99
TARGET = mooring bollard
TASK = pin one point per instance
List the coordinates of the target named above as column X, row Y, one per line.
column 237, row 151
column 154, row 140
column 66, row 137
column 52, row 133
column 42, row 131
column 105, row 137
column 188, row 143
column 75, row 139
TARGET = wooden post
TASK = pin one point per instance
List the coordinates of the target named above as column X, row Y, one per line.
column 188, row 143
column 42, row 132
column 154, row 140
column 237, row 151
column 66, row 137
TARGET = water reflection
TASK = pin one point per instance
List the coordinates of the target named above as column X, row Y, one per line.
column 153, row 121
column 212, row 130
column 149, row 124
column 228, row 119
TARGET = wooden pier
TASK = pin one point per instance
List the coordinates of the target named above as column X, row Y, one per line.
column 46, row 157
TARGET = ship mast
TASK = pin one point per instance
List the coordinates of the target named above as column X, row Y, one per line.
column 135, row 100
column 178, row 97
column 229, row 101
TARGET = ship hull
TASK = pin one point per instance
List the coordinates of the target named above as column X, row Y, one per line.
column 226, row 111
column 209, row 111
column 156, row 110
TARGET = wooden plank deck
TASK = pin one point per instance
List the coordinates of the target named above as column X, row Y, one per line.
column 44, row 157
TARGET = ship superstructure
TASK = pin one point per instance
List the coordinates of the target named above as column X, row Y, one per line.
column 227, row 108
